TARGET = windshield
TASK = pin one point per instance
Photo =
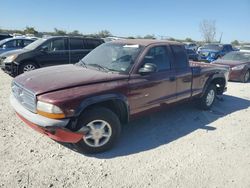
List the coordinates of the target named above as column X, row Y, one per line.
column 35, row 44
column 212, row 47
column 237, row 56
column 113, row 57
column 4, row 40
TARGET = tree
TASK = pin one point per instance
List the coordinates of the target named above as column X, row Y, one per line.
column 75, row 33
column 149, row 37
column 235, row 43
column 208, row 30
column 59, row 32
column 104, row 33
column 189, row 40
column 30, row 30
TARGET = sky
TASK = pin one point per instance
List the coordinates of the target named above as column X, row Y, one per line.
column 169, row 18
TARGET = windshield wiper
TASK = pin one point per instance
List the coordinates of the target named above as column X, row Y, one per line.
column 81, row 62
column 99, row 66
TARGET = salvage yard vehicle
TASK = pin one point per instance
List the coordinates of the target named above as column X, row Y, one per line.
column 211, row 52
column 15, row 43
column 239, row 63
column 47, row 52
column 86, row 103
column 192, row 55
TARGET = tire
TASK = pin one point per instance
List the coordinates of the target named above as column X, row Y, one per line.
column 246, row 77
column 27, row 66
column 207, row 100
column 104, row 125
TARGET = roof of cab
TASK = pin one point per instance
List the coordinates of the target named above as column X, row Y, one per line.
column 145, row 42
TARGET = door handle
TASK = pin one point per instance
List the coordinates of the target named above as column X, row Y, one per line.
column 172, row 78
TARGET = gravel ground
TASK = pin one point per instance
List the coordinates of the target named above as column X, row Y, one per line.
column 179, row 147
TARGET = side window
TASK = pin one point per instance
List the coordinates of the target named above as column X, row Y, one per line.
column 158, row 56
column 76, row 44
column 27, row 42
column 58, row 45
column 19, row 43
column 180, row 57
column 91, row 43
column 10, row 44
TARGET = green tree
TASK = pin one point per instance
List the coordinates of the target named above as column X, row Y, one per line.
column 75, row 33
column 59, row 32
column 149, row 37
column 104, row 33
column 189, row 39
column 30, row 30
column 235, row 43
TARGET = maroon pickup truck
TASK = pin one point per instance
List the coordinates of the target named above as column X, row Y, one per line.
column 86, row 103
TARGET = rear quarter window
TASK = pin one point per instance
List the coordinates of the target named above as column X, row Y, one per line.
column 180, row 56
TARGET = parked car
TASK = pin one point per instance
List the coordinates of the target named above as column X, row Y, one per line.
column 10, row 44
column 192, row 55
column 86, row 103
column 245, row 48
column 239, row 63
column 191, row 46
column 211, row 52
column 4, row 36
column 47, row 52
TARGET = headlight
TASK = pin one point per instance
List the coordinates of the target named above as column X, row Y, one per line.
column 49, row 110
column 212, row 55
column 239, row 67
column 10, row 58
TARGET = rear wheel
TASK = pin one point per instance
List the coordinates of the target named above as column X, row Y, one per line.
column 26, row 67
column 207, row 100
column 103, row 128
column 246, row 77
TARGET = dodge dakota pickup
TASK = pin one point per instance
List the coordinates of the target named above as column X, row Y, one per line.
column 86, row 103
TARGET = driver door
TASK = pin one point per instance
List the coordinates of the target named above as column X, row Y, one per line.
column 151, row 90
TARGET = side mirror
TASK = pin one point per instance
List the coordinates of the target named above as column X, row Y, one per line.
column 44, row 49
column 4, row 46
column 148, row 68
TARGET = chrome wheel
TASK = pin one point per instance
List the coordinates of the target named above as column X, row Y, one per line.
column 99, row 133
column 28, row 67
column 247, row 75
column 210, row 97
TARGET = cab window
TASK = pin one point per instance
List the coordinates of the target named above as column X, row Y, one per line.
column 159, row 56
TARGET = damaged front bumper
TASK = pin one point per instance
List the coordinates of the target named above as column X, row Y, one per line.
column 53, row 128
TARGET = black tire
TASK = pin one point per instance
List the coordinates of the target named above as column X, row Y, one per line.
column 203, row 104
column 98, row 114
column 24, row 67
column 246, row 77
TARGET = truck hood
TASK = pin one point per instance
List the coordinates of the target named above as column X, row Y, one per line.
column 63, row 76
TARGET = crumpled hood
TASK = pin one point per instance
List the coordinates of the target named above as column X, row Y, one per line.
column 63, row 76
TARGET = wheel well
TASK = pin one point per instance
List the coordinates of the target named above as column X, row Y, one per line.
column 30, row 61
column 116, row 106
column 220, row 85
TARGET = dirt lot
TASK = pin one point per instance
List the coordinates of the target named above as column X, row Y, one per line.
column 180, row 147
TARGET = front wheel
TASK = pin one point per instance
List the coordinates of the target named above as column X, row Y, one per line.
column 246, row 76
column 103, row 127
column 26, row 67
column 207, row 100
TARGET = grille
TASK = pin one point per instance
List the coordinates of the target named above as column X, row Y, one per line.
column 24, row 97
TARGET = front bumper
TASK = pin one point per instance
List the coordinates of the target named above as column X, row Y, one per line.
column 10, row 68
column 53, row 128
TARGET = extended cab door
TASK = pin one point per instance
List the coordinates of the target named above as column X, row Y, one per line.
column 54, row 52
column 150, row 90
column 183, row 72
